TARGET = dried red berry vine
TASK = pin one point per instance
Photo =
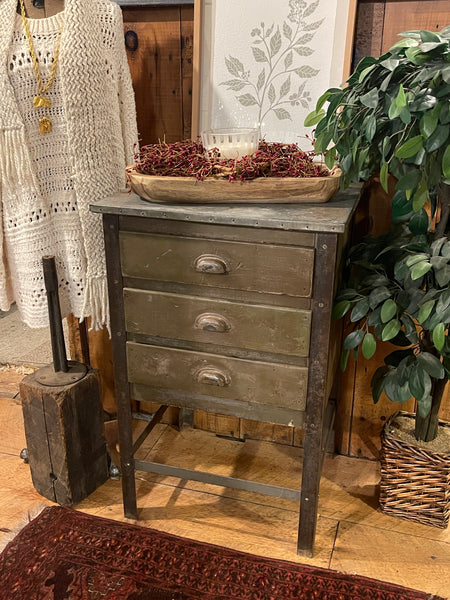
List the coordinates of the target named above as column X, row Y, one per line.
column 189, row 159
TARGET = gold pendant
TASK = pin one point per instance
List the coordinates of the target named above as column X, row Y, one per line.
column 41, row 102
column 45, row 125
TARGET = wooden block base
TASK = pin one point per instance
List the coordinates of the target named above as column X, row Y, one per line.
column 65, row 437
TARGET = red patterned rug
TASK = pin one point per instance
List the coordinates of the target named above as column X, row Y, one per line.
column 67, row 555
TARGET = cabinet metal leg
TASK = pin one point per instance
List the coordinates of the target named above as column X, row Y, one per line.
column 309, row 498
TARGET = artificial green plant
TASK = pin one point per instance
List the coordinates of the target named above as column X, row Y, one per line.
column 392, row 119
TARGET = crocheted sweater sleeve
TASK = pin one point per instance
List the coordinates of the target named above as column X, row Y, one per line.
column 126, row 95
column 102, row 131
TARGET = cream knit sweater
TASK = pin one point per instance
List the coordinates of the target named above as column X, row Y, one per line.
column 47, row 182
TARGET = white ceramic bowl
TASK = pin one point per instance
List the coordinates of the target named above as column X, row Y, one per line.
column 232, row 143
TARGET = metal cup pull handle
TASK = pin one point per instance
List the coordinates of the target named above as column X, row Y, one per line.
column 212, row 322
column 212, row 376
column 211, row 263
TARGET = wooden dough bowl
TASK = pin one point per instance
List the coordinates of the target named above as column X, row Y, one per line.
column 214, row 191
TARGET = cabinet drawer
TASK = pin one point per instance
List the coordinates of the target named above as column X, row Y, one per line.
column 254, row 327
column 234, row 265
column 222, row 377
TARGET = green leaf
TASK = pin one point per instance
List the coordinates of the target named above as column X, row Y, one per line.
column 438, row 262
column 384, row 172
column 353, row 339
column 386, row 147
column 425, row 310
column 322, row 99
column 429, row 36
column 378, row 295
column 410, row 328
column 360, row 310
column 390, row 330
column 421, row 195
column 428, row 47
column 446, row 163
column 340, row 309
column 428, row 123
column 344, row 359
column 375, row 317
column 369, row 346
column 439, row 336
column 418, row 223
column 420, row 269
column 314, row 117
column 410, row 180
column 443, row 276
column 347, row 294
column 400, row 100
column 431, row 364
column 443, row 302
column 410, row 148
column 388, row 310
column 396, row 391
column 378, row 381
column 394, row 111
column 416, row 56
column 365, row 72
column 362, row 156
column 404, row 43
column 322, row 140
column 371, row 127
column 330, row 157
column 419, row 382
column 416, row 258
column 370, row 99
column 405, row 115
column 438, row 138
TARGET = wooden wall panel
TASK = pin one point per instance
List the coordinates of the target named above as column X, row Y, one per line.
column 368, row 30
column 161, row 70
column 187, row 67
column 219, row 424
column 403, row 15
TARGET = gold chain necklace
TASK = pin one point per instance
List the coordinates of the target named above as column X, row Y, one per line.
column 40, row 100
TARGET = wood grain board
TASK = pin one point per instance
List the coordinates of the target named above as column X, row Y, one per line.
column 161, row 69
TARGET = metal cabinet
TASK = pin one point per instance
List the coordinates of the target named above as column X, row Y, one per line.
column 226, row 309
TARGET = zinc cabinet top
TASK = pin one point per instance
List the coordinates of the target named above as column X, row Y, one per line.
column 332, row 216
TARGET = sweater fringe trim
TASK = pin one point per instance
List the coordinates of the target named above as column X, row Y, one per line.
column 15, row 164
column 96, row 304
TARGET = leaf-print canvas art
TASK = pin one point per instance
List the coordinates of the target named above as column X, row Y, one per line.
column 265, row 63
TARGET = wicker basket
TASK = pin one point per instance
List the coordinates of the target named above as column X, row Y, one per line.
column 415, row 483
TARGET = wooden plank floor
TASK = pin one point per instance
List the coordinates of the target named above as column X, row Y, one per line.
column 352, row 535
